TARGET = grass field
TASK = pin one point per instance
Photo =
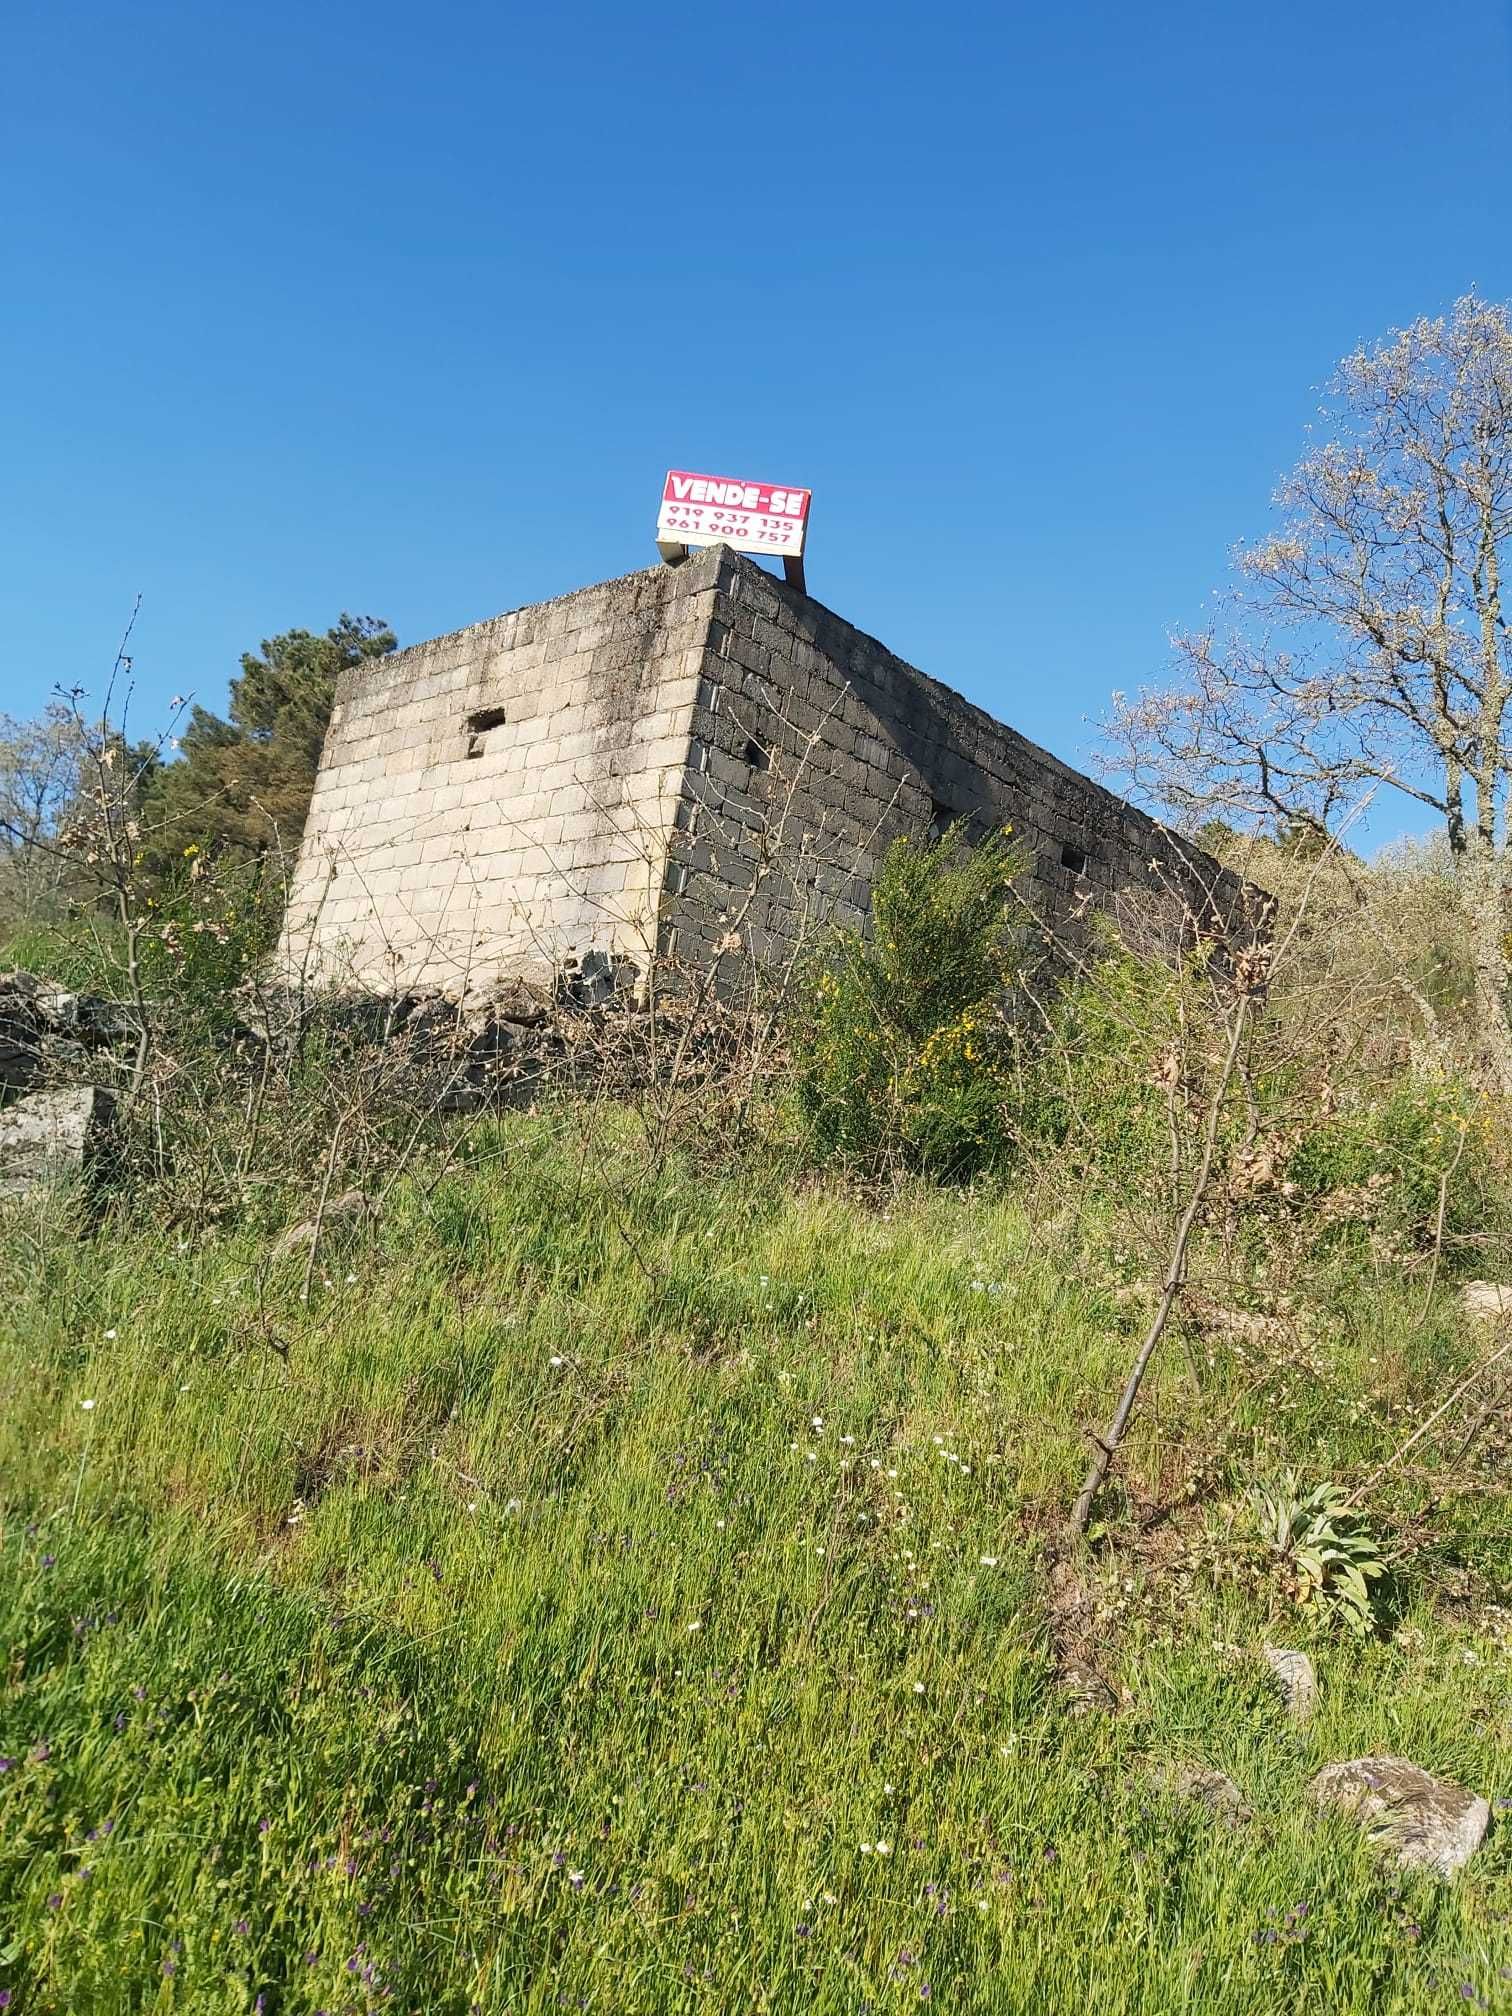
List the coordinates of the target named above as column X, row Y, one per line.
column 624, row 1594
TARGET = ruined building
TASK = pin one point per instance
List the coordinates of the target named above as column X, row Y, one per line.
column 694, row 763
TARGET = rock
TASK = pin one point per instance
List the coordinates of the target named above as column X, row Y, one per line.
column 1427, row 1822
column 87, row 1016
column 1295, row 1677
column 347, row 1209
column 47, row 1032
column 1486, row 1301
column 21, row 1030
column 595, row 978
column 1213, row 1790
column 512, row 1001
column 49, row 1136
column 1085, row 1688
column 19, row 1061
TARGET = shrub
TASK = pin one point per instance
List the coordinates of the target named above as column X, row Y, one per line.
column 1384, row 1160
column 903, row 1045
column 1090, row 1090
column 208, row 925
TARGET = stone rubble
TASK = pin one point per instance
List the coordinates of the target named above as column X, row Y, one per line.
column 48, row 1032
column 50, row 1136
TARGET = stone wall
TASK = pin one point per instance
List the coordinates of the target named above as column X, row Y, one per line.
column 699, row 759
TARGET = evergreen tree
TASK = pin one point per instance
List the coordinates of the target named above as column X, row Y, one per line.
column 243, row 785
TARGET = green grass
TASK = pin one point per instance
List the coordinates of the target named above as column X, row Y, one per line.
column 610, row 1562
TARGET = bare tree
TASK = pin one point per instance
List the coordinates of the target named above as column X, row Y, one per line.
column 1368, row 646
column 40, row 768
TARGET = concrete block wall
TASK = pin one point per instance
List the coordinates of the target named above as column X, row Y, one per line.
column 696, row 760
column 498, row 802
column 807, row 725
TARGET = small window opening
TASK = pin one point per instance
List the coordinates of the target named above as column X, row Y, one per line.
column 478, row 725
column 942, row 817
column 1074, row 859
column 755, row 756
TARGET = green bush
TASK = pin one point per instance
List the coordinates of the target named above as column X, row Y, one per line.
column 1090, row 1089
column 204, row 927
column 209, row 924
column 1385, row 1160
column 903, row 1045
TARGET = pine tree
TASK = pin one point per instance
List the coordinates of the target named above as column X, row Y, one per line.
column 242, row 786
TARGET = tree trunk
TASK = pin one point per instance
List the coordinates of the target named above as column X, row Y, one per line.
column 1483, row 893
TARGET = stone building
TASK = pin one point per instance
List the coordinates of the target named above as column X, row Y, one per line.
column 694, row 763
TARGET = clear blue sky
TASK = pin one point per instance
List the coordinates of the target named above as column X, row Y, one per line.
column 405, row 309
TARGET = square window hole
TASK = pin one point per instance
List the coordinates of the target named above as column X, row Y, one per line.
column 478, row 725
column 755, row 756
column 1074, row 859
column 941, row 818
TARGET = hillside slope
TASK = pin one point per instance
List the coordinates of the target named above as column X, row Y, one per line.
column 625, row 1593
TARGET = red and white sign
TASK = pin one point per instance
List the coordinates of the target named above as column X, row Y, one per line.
column 726, row 510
